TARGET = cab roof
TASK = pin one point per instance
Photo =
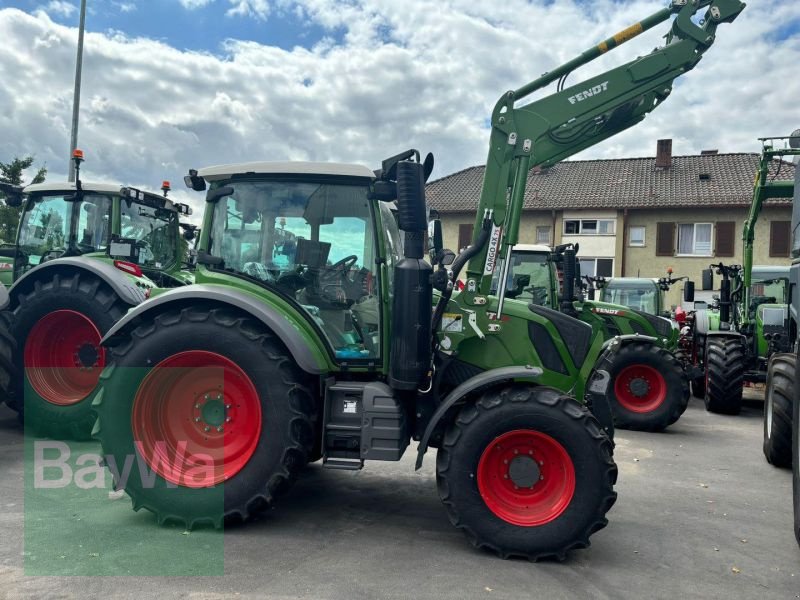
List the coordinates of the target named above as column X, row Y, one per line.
column 532, row 248
column 631, row 282
column 66, row 186
column 285, row 168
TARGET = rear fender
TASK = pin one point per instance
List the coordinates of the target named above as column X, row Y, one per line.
column 298, row 344
column 122, row 284
column 468, row 389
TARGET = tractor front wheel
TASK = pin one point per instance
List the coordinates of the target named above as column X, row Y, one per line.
column 7, row 349
column 526, row 471
column 649, row 390
column 796, row 460
column 724, row 363
column 58, row 324
column 213, row 409
column 778, row 409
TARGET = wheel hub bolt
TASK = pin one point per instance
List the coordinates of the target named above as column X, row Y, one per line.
column 197, row 419
column 219, row 429
column 207, row 429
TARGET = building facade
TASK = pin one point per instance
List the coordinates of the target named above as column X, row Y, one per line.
column 635, row 217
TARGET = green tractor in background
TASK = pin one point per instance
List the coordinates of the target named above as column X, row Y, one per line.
column 308, row 333
column 735, row 337
column 84, row 254
column 643, row 294
column 649, row 386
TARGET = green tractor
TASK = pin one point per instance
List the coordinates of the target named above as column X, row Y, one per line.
column 640, row 293
column 85, row 253
column 308, row 333
column 734, row 338
column 649, row 386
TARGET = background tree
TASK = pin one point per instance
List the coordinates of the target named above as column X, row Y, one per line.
column 12, row 173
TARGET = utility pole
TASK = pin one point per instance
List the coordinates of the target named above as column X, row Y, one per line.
column 76, row 100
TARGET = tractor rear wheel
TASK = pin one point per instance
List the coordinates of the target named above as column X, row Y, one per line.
column 58, row 324
column 526, row 471
column 7, row 348
column 724, row 375
column 214, row 407
column 781, row 379
column 649, row 390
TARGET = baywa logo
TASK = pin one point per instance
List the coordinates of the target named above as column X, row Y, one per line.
column 592, row 91
column 55, row 467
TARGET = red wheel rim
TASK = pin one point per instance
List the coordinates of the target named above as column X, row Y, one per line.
column 196, row 419
column 640, row 388
column 526, row 478
column 63, row 357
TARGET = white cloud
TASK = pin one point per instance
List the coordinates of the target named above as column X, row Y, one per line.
column 193, row 4
column 60, row 7
column 258, row 9
column 125, row 7
column 400, row 78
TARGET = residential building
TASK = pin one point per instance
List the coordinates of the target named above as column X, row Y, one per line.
column 635, row 217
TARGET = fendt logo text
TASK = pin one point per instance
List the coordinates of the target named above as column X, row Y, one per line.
column 593, row 91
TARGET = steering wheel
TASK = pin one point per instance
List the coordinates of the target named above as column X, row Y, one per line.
column 344, row 264
column 51, row 255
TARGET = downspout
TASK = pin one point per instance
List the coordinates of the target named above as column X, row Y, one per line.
column 624, row 240
column 553, row 242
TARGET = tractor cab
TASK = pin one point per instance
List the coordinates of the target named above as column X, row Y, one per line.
column 530, row 276
column 139, row 230
column 641, row 293
column 308, row 233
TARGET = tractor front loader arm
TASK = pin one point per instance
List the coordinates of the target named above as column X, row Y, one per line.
column 574, row 118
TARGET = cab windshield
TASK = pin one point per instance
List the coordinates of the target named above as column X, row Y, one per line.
column 155, row 231
column 56, row 225
column 767, row 291
column 313, row 242
column 639, row 298
column 528, row 278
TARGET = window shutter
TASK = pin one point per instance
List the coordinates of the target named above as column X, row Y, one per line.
column 725, row 238
column 665, row 239
column 464, row 235
column 779, row 238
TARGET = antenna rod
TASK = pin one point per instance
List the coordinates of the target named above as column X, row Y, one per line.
column 76, row 100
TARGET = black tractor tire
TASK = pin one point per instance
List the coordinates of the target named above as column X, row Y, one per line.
column 468, row 472
column 284, row 412
column 82, row 299
column 649, row 389
column 725, row 369
column 796, row 461
column 781, row 378
column 7, row 349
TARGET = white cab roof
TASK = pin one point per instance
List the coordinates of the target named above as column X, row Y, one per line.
column 65, row 186
column 532, row 248
column 285, row 168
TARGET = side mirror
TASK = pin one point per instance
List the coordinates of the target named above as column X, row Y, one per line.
column 14, row 200
column 194, row 181
column 188, row 234
column 448, row 257
column 708, row 280
column 214, row 195
column 688, row 291
column 435, row 237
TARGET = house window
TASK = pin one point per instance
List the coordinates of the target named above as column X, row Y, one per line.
column 543, row 234
column 779, row 234
column 589, row 227
column 464, row 235
column 694, row 239
column 597, row 267
column 636, row 236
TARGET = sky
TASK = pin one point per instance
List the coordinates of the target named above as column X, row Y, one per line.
column 179, row 84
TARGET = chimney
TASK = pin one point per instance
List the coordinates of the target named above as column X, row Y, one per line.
column 664, row 154
column 709, row 152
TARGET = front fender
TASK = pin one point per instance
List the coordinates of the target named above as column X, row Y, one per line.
column 121, row 283
column 298, row 345
column 486, row 379
column 618, row 341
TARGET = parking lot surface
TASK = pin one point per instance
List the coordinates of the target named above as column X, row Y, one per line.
column 700, row 514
